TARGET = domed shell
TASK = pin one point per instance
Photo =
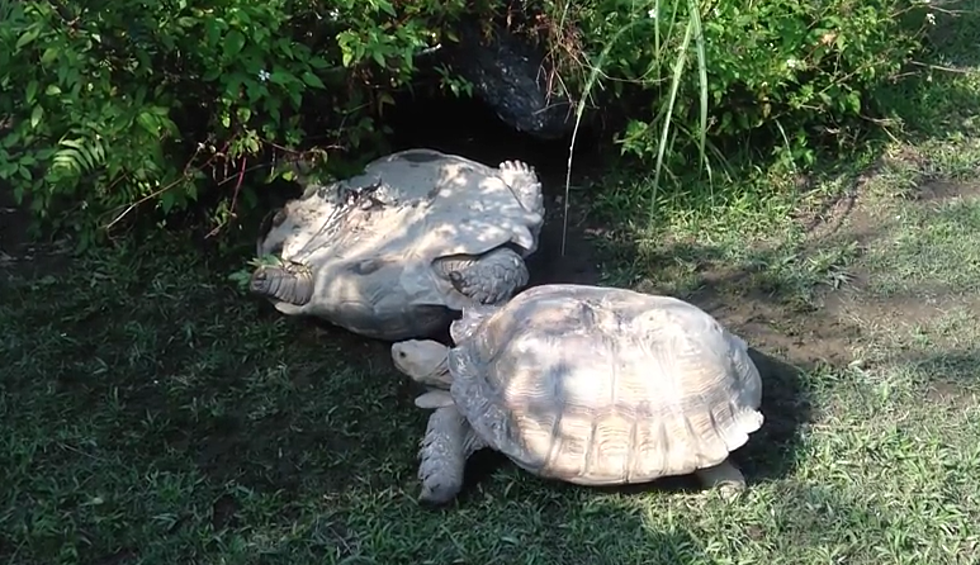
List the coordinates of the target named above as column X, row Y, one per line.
column 598, row 386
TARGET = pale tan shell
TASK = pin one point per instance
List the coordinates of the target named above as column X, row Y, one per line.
column 439, row 205
column 373, row 267
column 601, row 386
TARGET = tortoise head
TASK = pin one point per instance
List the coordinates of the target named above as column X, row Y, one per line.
column 425, row 361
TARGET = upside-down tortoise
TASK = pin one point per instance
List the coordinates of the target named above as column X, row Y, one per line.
column 393, row 252
column 590, row 385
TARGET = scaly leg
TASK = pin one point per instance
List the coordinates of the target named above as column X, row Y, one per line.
column 448, row 443
column 486, row 279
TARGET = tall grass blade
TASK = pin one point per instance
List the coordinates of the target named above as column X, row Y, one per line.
column 580, row 109
column 674, row 85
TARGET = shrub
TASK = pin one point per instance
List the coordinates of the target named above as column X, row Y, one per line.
column 691, row 71
column 113, row 103
column 110, row 106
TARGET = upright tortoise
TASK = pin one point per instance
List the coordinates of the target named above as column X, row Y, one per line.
column 392, row 252
column 590, row 385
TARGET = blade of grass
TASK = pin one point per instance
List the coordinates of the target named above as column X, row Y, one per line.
column 674, row 86
column 703, row 79
column 579, row 110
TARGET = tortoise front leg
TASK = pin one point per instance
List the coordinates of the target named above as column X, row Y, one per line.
column 448, row 443
column 491, row 278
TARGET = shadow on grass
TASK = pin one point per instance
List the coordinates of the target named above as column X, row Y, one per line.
column 952, row 372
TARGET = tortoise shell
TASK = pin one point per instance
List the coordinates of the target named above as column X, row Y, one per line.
column 599, row 386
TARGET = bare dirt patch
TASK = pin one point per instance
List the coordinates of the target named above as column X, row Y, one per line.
column 941, row 190
column 581, row 262
column 869, row 222
column 847, row 308
column 950, row 394
column 802, row 339
column 922, row 325
column 859, row 305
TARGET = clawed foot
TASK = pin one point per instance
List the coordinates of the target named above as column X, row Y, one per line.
column 730, row 490
column 724, row 478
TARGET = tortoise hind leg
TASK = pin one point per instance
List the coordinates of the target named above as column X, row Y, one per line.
column 725, row 477
column 491, row 278
column 523, row 179
column 289, row 283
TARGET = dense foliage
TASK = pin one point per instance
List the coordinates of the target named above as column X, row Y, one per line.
column 108, row 107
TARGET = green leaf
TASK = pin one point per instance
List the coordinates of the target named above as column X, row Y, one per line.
column 49, row 55
column 167, row 201
column 233, row 85
column 31, row 91
column 52, row 90
column 148, row 122
column 318, row 62
column 243, row 17
column 29, row 36
column 234, row 42
column 296, row 97
column 36, row 116
column 312, row 80
column 285, row 45
column 280, row 77
column 213, row 29
column 10, row 140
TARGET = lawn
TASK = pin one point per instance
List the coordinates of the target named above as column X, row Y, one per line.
column 153, row 414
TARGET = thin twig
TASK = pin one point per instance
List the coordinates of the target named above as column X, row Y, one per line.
column 234, row 198
column 941, row 68
column 184, row 175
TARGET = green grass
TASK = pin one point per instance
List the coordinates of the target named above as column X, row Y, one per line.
column 152, row 414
